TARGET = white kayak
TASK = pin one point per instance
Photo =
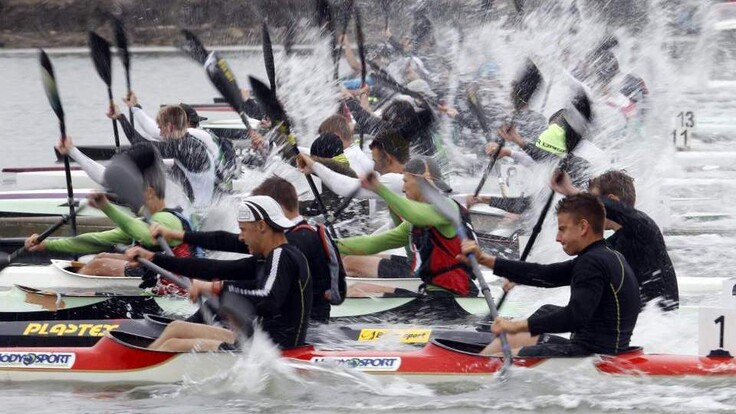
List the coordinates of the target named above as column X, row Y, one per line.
column 58, row 275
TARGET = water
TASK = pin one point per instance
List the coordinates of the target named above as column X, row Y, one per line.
column 261, row 382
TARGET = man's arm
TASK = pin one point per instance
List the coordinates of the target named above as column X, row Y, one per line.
column 534, row 274
column 216, row 240
column 89, row 242
column 375, row 243
column 208, row 269
column 137, row 229
column 147, row 125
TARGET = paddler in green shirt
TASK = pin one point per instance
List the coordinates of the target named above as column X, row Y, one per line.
column 433, row 235
column 129, row 230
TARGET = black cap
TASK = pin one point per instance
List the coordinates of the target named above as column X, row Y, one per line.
column 192, row 114
column 327, row 145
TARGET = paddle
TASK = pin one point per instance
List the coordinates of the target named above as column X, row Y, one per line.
column 327, row 24
column 386, row 8
column 524, row 88
column 580, row 101
column 124, row 178
column 347, row 11
column 445, row 207
column 100, row 49
column 121, row 41
column 272, row 107
column 361, row 53
column 52, row 93
column 268, row 57
column 6, row 259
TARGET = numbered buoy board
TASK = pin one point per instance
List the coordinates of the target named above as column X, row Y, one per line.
column 682, row 132
column 717, row 325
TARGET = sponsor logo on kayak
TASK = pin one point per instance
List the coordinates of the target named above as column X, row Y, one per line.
column 69, row 329
column 32, row 360
column 362, row 363
column 409, row 336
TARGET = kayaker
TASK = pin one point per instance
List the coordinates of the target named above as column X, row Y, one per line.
column 315, row 243
column 636, row 235
column 276, row 279
column 193, row 167
column 433, row 235
column 604, row 294
column 220, row 150
column 390, row 154
column 129, row 230
column 339, row 125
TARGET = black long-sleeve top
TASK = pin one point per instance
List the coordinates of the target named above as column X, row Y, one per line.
column 642, row 244
column 604, row 297
column 303, row 238
column 279, row 286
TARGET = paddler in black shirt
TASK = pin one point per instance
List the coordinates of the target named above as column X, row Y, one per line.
column 636, row 235
column 604, row 295
column 275, row 279
column 325, row 264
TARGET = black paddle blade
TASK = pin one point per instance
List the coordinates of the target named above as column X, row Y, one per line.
column 4, row 260
column 443, row 204
column 49, row 85
column 224, row 80
column 124, row 178
column 268, row 57
column 239, row 311
column 361, row 45
column 269, row 104
column 100, row 49
column 324, row 16
column 579, row 114
column 347, row 11
column 527, row 84
column 193, row 47
column 121, row 41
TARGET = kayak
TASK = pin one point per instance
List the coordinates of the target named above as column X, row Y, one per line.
column 60, row 274
column 123, row 358
column 31, row 203
column 85, row 333
column 26, row 304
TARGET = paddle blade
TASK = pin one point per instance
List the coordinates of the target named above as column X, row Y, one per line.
column 269, row 104
column 100, row 50
column 224, row 80
column 361, row 45
column 124, row 178
column 121, row 41
column 324, row 16
column 347, row 11
column 268, row 57
column 49, row 85
column 527, row 84
column 579, row 114
column 239, row 311
column 4, row 260
column 193, row 47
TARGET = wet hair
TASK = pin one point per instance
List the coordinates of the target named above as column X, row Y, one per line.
column 618, row 183
column 327, row 145
column 338, row 125
column 584, row 206
column 280, row 190
column 173, row 115
column 393, row 144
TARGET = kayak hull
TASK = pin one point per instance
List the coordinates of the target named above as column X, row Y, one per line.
column 123, row 359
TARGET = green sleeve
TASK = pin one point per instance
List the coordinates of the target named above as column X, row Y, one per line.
column 416, row 213
column 89, row 242
column 137, row 229
column 375, row 243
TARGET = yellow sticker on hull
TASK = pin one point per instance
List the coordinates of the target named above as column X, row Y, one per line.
column 408, row 336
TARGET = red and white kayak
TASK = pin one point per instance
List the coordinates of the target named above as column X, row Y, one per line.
column 123, row 358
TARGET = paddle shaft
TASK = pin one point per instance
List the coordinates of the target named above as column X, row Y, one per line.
column 345, row 203
column 46, row 233
column 114, row 121
column 69, row 187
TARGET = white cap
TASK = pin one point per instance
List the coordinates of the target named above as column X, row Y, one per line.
column 256, row 208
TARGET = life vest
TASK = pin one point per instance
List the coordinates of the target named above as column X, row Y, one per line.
column 338, row 285
column 438, row 253
column 163, row 285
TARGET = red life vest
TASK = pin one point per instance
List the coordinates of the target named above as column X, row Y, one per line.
column 439, row 266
